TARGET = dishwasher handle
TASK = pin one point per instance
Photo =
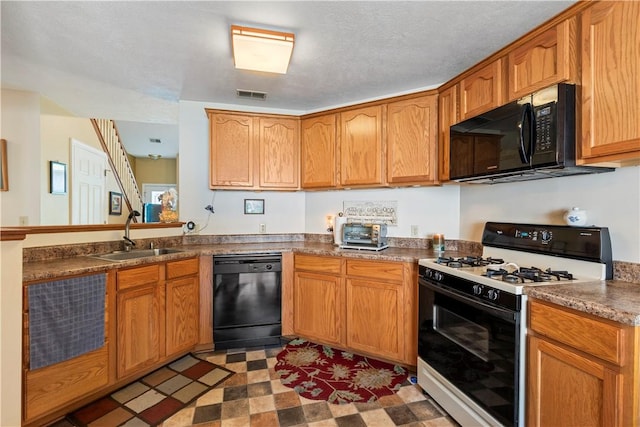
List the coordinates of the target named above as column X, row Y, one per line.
column 246, row 264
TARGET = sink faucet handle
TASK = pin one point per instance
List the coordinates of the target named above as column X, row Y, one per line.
column 128, row 241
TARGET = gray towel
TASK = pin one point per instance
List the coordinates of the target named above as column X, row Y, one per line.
column 66, row 319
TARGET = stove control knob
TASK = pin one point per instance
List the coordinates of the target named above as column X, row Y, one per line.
column 545, row 235
column 438, row 276
column 493, row 294
column 477, row 289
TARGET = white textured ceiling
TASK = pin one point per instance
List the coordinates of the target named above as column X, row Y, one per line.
column 135, row 60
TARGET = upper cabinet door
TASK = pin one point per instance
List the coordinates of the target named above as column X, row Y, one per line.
column 482, row 91
column 447, row 116
column 611, row 81
column 544, row 60
column 231, row 150
column 318, row 148
column 279, row 153
column 361, row 147
column 412, row 140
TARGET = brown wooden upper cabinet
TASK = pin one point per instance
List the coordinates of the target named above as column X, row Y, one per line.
column 361, row 147
column 545, row 59
column 318, row 152
column 253, row 151
column 447, row 116
column 482, row 90
column 610, row 40
column 412, row 141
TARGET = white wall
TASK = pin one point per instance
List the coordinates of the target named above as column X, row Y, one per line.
column 19, row 125
column 611, row 200
column 432, row 209
column 284, row 211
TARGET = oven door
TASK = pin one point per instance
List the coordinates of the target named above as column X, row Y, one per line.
column 473, row 345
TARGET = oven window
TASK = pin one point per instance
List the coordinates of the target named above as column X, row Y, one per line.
column 472, row 337
column 472, row 348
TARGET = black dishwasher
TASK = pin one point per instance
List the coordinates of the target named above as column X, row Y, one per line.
column 247, row 300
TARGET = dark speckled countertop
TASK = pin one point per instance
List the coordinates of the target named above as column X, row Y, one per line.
column 612, row 299
column 616, row 300
column 51, row 268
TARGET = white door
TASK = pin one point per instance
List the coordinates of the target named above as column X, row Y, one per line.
column 88, row 182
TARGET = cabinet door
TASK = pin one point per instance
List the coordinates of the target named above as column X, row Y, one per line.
column 231, row 150
column 544, row 60
column 448, row 115
column 412, row 140
column 611, row 81
column 375, row 317
column 482, row 90
column 361, row 147
column 318, row 146
column 182, row 314
column 140, row 340
column 566, row 388
column 279, row 148
column 318, row 307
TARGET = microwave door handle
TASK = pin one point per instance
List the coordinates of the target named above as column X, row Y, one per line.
column 527, row 130
column 521, row 150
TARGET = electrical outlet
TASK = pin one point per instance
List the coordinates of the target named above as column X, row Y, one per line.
column 263, row 228
column 414, row 231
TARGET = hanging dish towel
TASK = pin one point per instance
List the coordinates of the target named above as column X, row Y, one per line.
column 66, row 319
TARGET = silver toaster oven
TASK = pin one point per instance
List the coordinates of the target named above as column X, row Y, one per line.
column 364, row 235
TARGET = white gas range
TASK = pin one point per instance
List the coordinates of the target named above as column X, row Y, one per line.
column 472, row 314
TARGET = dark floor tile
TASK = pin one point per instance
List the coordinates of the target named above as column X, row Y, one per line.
column 235, row 393
column 353, row 420
column 236, row 357
column 235, row 409
column 62, row 423
column 207, row 413
column 423, row 410
column 254, row 365
column 401, row 414
column 317, row 411
column 259, row 389
column 291, row 416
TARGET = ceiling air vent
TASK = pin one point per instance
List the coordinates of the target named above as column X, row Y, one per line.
column 251, row 94
column 155, row 140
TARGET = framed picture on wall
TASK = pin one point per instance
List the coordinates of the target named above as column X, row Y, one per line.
column 57, row 178
column 115, row 203
column 254, row 206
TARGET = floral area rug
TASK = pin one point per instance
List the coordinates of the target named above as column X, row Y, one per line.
column 322, row 373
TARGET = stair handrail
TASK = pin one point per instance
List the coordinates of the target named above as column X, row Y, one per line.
column 111, row 142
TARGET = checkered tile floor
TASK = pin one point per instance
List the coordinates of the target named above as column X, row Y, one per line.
column 255, row 397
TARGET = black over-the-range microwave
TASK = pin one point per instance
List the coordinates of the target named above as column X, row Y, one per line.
column 533, row 137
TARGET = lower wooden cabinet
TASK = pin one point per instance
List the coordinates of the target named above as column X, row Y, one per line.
column 582, row 370
column 151, row 318
column 361, row 305
column 140, row 318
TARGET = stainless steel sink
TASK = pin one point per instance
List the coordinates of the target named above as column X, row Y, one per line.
column 136, row 253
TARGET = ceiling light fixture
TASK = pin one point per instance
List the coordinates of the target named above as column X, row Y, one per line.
column 155, row 156
column 261, row 50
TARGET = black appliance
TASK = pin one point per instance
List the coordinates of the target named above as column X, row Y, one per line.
column 472, row 318
column 247, row 292
column 533, row 137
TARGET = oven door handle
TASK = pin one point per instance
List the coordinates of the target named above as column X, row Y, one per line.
column 504, row 314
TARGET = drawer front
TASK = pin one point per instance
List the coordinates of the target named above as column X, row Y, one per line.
column 185, row 267
column 380, row 270
column 322, row 264
column 598, row 338
column 138, row 276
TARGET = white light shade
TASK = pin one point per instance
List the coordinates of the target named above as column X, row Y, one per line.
column 261, row 50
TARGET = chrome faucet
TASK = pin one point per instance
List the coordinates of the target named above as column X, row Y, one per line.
column 128, row 243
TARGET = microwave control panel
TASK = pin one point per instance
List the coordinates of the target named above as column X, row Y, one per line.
column 545, row 127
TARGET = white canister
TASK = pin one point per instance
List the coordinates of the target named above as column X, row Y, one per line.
column 576, row 217
column 338, row 222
